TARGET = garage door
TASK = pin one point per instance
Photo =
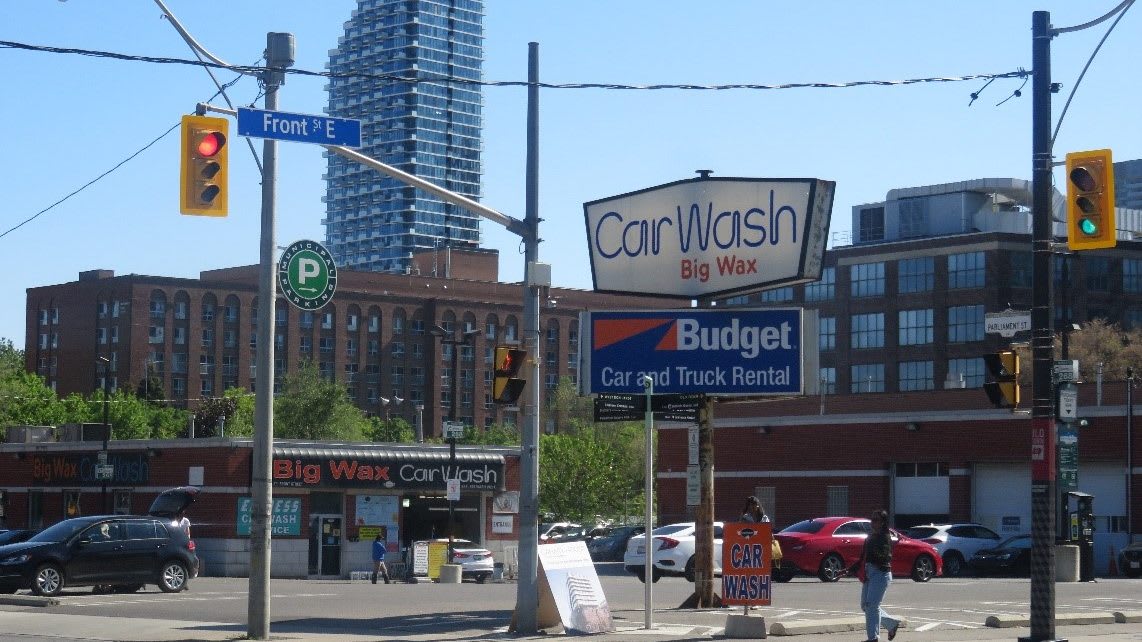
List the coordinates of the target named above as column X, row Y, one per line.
column 1001, row 497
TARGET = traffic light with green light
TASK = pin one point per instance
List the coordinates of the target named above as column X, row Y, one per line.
column 203, row 170
column 1003, row 389
column 1090, row 200
column 507, row 385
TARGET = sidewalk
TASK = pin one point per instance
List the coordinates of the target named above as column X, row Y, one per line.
column 43, row 624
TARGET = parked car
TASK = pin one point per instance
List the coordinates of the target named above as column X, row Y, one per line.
column 610, row 545
column 120, row 551
column 1011, row 556
column 564, row 533
column 475, row 562
column 673, row 552
column 15, row 535
column 553, row 530
column 956, row 543
column 1130, row 560
column 828, row 546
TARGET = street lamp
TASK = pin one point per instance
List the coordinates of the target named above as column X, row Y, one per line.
column 466, row 338
column 106, row 363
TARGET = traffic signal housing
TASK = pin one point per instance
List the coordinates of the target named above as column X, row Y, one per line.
column 203, row 179
column 507, row 386
column 1003, row 389
column 1090, row 200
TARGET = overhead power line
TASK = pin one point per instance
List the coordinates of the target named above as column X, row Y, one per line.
column 432, row 78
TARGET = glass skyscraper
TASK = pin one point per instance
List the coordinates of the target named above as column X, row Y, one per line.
column 429, row 129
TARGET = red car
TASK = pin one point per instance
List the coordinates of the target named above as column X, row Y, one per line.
column 828, row 546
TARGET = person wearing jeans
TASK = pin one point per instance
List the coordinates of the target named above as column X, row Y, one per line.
column 877, row 560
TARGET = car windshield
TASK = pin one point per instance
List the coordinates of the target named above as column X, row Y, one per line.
column 806, row 526
column 920, row 532
column 60, row 532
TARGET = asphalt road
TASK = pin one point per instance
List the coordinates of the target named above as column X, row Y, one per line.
column 345, row 607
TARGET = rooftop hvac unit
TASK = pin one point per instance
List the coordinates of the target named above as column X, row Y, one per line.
column 29, row 434
column 83, row 432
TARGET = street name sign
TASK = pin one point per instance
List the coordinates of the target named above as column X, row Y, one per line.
column 453, row 430
column 299, row 128
column 1006, row 324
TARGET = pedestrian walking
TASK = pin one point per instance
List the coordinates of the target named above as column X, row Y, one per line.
column 753, row 512
column 379, row 559
column 876, row 562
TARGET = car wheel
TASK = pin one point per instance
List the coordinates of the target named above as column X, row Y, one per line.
column 1132, row 572
column 126, row 588
column 481, row 578
column 641, row 575
column 48, row 580
column 689, row 572
column 831, row 569
column 173, row 577
column 924, row 568
column 782, row 575
column 953, row 564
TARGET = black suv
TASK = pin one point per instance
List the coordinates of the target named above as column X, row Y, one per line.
column 120, row 552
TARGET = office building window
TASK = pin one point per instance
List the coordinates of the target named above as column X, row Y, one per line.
column 969, row 372
column 1097, row 270
column 871, row 229
column 965, row 270
column 825, row 288
column 867, row 331
column 916, row 275
column 780, row 295
column 1132, row 276
column 867, row 377
column 827, row 378
column 965, row 323
column 916, row 375
column 867, row 279
column 827, row 333
column 1021, row 269
column 915, row 327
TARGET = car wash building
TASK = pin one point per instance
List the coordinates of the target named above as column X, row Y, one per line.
column 329, row 499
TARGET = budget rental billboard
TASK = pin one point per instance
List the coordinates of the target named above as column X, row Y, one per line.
column 740, row 351
column 703, row 237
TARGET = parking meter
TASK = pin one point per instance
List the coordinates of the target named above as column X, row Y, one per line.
column 1082, row 530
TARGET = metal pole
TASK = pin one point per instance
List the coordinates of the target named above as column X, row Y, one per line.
column 420, row 423
column 527, row 587
column 452, row 440
column 279, row 54
column 1129, row 454
column 1043, row 480
column 106, row 425
column 648, row 519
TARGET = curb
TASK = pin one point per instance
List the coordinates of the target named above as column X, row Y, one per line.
column 805, row 627
column 1063, row 619
column 29, row 600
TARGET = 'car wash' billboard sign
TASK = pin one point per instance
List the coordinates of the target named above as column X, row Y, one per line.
column 710, row 236
column 739, row 351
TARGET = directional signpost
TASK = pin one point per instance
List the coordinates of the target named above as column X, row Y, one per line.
column 622, row 407
column 299, row 128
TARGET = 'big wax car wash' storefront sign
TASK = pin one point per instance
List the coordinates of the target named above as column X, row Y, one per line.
column 705, row 236
column 402, row 469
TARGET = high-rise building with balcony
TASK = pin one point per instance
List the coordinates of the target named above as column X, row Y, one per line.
column 384, row 69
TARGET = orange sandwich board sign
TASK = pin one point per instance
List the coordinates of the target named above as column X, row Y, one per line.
column 747, row 563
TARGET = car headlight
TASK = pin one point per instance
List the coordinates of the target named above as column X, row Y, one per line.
column 16, row 559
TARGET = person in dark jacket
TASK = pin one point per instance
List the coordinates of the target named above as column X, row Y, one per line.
column 753, row 511
column 379, row 559
column 877, row 560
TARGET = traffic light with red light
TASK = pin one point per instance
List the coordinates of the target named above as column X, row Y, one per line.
column 1090, row 200
column 203, row 171
column 507, row 386
column 1003, row 389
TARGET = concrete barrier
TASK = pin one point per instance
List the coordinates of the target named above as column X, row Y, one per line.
column 744, row 627
column 1061, row 619
column 29, row 600
column 1128, row 617
column 450, row 574
column 1066, row 563
column 804, row 627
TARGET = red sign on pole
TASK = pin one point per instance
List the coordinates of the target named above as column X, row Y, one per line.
column 747, row 563
column 1042, row 449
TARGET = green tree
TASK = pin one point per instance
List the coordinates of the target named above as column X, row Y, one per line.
column 1095, row 342
column 26, row 400
column 240, row 423
column 586, row 473
column 11, row 360
column 213, row 414
column 394, row 430
column 312, row 407
column 494, row 435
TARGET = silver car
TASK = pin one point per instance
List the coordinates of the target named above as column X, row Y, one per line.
column 956, row 543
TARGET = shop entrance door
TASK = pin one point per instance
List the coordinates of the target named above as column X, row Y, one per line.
column 325, row 545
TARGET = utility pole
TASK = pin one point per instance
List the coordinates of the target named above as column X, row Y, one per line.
column 279, row 55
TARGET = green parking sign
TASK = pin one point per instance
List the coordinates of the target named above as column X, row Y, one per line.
column 307, row 274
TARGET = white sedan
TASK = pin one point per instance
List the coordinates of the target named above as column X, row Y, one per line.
column 673, row 552
column 475, row 562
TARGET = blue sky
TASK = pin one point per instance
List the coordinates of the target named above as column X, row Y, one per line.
column 70, row 118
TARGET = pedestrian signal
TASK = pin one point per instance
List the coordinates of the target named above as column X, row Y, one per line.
column 507, row 386
column 1003, row 389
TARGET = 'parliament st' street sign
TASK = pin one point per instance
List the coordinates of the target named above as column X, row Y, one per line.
column 299, row 128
